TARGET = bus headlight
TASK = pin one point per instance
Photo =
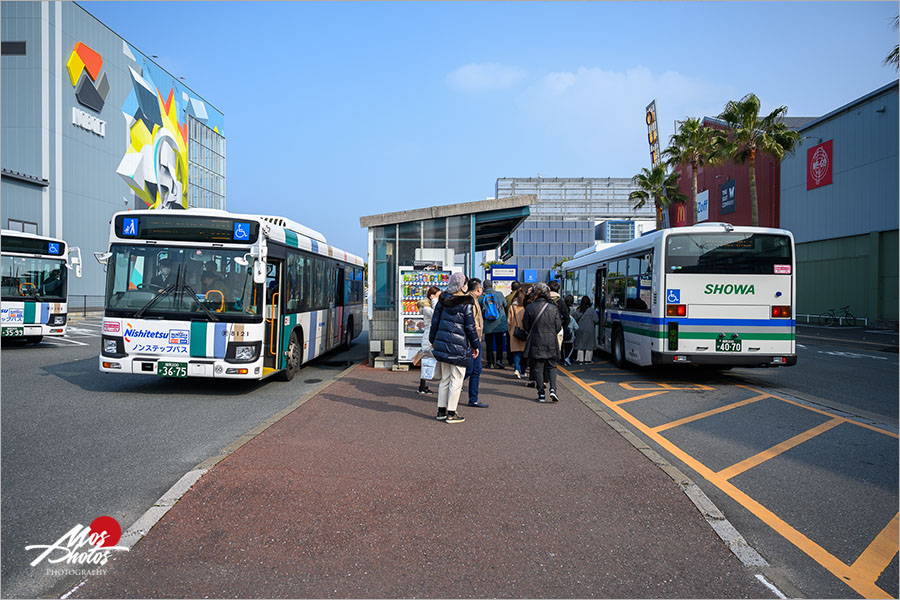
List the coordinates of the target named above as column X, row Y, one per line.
column 245, row 352
column 57, row 320
column 112, row 346
column 109, row 347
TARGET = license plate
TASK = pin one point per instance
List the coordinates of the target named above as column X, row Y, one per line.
column 13, row 331
column 171, row 369
column 728, row 345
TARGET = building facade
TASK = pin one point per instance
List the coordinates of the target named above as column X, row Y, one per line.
column 564, row 219
column 91, row 126
column 839, row 197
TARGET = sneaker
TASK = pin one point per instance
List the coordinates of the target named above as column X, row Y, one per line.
column 500, row 366
column 517, row 374
column 531, row 384
column 542, row 398
column 442, row 414
column 454, row 417
column 478, row 404
column 553, row 395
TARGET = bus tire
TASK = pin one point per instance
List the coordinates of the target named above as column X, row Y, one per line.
column 34, row 339
column 618, row 348
column 294, row 357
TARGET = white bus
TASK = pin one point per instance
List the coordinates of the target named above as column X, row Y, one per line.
column 35, row 285
column 207, row 293
column 710, row 294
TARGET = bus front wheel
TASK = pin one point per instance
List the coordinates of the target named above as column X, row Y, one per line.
column 618, row 348
column 292, row 362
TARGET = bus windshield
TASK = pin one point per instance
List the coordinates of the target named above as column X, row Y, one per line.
column 180, row 282
column 725, row 253
column 42, row 279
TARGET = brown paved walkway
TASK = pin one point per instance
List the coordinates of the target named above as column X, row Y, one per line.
column 361, row 493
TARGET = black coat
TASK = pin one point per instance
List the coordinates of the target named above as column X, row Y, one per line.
column 542, row 341
column 453, row 334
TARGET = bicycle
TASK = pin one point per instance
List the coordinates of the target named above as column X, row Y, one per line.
column 841, row 316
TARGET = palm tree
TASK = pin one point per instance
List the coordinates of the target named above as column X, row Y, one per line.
column 695, row 144
column 656, row 185
column 750, row 134
column 893, row 57
column 486, row 266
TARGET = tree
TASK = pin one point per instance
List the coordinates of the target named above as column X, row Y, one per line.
column 557, row 266
column 893, row 57
column 697, row 145
column 486, row 266
column 658, row 186
column 749, row 134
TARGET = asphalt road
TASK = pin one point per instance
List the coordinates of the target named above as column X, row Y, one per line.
column 802, row 460
column 78, row 444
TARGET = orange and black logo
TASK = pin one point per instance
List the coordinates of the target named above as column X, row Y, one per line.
column 84, row 66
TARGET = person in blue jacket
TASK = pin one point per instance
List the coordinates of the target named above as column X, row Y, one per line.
column 455, row 343
column 494, row 328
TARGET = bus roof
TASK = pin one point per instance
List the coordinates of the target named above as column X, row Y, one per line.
column 34, row 236
column 273, row 227
column 611, row 251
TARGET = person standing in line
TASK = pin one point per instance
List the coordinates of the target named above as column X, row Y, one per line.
column 455, row 343
column 585, row 337
column 563, row 310
column 542, row 346
column 569, row 327
column 514, row 286
column 426, row 308
column 516, row 319
column 493, row 304
column 530, row 292
column 473, row 371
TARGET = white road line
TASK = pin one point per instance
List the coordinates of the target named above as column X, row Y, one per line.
column 67, row 341
column 774, row 589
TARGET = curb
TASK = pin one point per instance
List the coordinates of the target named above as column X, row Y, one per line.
column 716, row 519
column 142, row 526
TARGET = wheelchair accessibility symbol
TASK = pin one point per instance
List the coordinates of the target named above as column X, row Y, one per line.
column 673, row 296
column 242, row 231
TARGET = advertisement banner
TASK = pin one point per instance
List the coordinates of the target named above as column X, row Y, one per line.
column 728, row 196
column 702, row 206
column 819, row 165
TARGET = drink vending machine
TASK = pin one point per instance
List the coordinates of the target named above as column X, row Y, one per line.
column 413, row 284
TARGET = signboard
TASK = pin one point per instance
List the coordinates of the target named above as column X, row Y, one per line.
column 652, row 132
column 702, row 206
column 504, row 272
column 680, row 215
column 728, row 196
column 506, row 249
column 530, row 275
column 819, row 164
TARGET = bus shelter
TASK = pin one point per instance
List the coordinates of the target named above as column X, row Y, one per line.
column 409, row 251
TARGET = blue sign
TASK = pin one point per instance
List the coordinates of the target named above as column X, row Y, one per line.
column 728, row 196
column 673, row 296
column 530, row 275
column 242, row 231
column 52, row 248
column 129, row 226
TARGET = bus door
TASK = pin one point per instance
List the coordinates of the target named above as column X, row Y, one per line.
column 340, row 300
column 273, row 296
column 600, row 304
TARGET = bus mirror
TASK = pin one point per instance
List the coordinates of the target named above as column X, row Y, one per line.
column 242, row 260
column 259, row 272
column 102, row 257
column 75, row 260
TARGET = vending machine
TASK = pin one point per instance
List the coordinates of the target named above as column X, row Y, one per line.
column 413, row 283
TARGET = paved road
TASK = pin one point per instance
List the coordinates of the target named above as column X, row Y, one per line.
column 813, row 489
column 78, row 444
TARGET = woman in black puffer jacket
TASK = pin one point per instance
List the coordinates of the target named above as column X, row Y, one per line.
column 454, row 342
column 543, row 324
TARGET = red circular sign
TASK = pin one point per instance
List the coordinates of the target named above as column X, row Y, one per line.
column 110, row 526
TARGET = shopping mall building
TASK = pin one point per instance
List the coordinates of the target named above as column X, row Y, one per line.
column 91, row 126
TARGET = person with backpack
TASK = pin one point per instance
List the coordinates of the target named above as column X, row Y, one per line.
column 493, row 309
column 543, row 324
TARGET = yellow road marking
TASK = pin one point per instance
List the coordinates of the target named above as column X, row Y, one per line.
column 710, row 413
column 642, row 396
column 664, row 385
column 880, row 552
column 596, row 383
column 749, row 463
column 862, row 583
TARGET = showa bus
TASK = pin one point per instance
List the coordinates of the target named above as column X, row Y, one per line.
column 709, row 294
column 34, row 285
column 207, row 293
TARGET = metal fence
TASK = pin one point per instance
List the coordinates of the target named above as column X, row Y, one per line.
column 85, row 303
column 818, row 320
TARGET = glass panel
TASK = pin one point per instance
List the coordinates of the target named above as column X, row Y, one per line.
column 410, row 238
column 435, row 232
column 23, row 277
column 385, row 267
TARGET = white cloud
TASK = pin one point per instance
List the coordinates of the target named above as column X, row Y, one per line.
column 601, row 112
column 484, row 77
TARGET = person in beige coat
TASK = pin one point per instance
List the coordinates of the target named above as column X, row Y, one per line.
column 514, row 317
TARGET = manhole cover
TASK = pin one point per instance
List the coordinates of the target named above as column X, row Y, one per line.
column 312, row 381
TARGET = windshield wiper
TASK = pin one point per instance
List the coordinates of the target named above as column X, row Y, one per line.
column 208, row 312
column 165, row 292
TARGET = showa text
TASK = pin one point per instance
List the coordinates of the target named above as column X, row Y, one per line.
column 83, row 545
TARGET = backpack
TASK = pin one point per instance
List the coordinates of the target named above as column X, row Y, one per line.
column 491, row 310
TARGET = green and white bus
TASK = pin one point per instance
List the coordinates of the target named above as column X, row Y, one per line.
column 35, row 285
column 207, row 293
column 709, row 294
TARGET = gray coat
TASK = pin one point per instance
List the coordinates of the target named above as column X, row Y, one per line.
column 586, row 336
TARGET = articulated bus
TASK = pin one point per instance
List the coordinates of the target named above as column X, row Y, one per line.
column 709, row 294
column 207, row 293
column 34, row 285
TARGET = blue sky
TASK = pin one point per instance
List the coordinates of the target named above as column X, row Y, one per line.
column 338, row 110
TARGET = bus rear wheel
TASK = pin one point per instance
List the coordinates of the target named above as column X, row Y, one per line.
column 292, row 362
column 618, row 348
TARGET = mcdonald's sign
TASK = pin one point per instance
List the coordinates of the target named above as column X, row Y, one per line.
column 680, row 215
